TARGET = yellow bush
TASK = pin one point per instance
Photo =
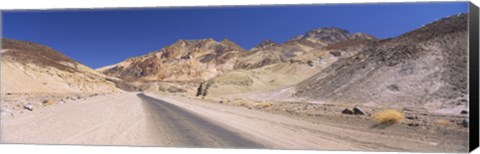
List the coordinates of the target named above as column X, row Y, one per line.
column 388, row 116
column 442, row 122
column 266, row 104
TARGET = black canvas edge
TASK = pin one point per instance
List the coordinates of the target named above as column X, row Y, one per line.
column 473, row 77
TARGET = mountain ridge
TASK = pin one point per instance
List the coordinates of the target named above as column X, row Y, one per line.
column 211, row 52
column 424, row 67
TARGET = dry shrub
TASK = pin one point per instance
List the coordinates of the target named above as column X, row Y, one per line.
column 266, row 104
column 442, row 122
column 49, row 102
column 262, row 105
column 244, row 103
column 389, row 116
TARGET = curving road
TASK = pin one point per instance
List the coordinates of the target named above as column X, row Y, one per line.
column 189, row 129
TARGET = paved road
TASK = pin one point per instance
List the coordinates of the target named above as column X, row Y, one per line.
column 189, row 129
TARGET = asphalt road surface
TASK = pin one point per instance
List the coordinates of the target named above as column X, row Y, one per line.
column 191, row 130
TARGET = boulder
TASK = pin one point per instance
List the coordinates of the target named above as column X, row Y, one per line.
column 464, row 112
column 347, row 111
column 358, row 111
column 336, row 53
column 413, row 124
column 28, row 107
column 465, row 123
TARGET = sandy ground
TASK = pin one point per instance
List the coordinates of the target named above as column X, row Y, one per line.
column 17, row 77
column 124, row 119
column 116, row 119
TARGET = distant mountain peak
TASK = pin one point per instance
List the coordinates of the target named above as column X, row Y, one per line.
column 322, row 37
column 329, row 30
column 320, row 33
column 225, row 40
column 265, row 44
column 232, row 45
column 363, row 36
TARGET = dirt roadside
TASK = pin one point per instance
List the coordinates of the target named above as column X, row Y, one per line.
column 326, row 132
column 122, row 119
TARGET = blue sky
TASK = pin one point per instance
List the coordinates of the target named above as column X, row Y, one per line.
column 103, row 37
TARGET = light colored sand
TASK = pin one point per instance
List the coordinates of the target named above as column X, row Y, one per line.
column 104, row 120
column 28, row 78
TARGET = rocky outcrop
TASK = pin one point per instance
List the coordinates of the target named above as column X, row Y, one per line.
column 318, row 40
column 323, row 37
column 185, row 60
column 427, row 66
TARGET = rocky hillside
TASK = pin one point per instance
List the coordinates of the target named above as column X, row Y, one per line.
column 322, row 37
column 318, row 40
column 185, row 60
column 32, row 68
column 200, row 60
column 423, row 68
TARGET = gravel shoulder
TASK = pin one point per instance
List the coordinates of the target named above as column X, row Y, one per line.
column 283, row 130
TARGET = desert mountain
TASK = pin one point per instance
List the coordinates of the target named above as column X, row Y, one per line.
column 315, row 41
column 32, row 68
column 322, row 37
column 200, row 60
column 185, row 60
column 271, row 65
column 426, row 67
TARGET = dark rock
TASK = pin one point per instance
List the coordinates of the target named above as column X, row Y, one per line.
column 413, row 124
column 347, row 111
column 336, row 53
column 394, row 87
column 358, row 111
column 464, row 112
column 411, row 117
column 221, row 102
column 28, row 107
column 310, row 63
column 465, row 123
column 407, row 109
